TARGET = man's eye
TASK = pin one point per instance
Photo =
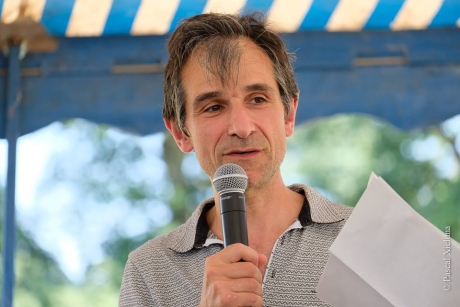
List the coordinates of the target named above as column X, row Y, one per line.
column 213, row 108
column 258, row 100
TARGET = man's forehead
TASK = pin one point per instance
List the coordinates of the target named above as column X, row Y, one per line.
column 223, row 63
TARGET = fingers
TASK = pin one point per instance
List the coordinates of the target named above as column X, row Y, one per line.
column 232, row 292
column 262, row 263
column 234, row 270
column 246, row 262
column 243, row 285
column 240, row 299
column 228, row 281
column 237, row 252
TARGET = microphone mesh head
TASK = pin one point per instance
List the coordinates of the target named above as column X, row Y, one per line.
column 230, row 177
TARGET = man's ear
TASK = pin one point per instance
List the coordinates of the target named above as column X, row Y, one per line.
column 183, row 141
column 290, row 119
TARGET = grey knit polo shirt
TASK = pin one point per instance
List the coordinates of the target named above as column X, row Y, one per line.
column 168, row 270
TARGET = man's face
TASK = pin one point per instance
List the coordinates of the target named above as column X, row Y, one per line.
column 242, row 121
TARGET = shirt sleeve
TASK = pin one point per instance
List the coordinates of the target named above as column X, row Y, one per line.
column 134, row 291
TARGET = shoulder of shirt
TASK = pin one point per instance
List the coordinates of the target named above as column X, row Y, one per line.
column 322, row 210
column 177, row 240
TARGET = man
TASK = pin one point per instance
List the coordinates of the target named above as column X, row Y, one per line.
column 230, row 96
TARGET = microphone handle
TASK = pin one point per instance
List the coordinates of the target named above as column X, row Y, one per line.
column 233, row 214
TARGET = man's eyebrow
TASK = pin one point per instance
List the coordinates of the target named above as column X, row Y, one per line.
column 256, row 87
column 205, row 96
column 259, row 87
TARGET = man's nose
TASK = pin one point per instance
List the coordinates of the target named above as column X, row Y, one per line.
column 240, row 122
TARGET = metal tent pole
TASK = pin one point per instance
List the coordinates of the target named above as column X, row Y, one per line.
column 13, row 102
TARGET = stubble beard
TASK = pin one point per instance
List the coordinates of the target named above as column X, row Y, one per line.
column 265, row 170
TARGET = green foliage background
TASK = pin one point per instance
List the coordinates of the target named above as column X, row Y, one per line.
column 334, row 155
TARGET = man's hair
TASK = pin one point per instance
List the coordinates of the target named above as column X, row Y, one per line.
column 216, row 37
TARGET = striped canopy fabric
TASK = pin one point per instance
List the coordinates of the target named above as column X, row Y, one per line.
column 156, row 17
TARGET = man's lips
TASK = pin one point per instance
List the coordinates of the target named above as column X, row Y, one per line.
column 242, row 152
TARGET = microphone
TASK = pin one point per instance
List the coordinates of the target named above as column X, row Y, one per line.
column 230, row 181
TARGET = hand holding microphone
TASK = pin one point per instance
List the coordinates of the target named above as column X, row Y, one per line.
column 233, row 276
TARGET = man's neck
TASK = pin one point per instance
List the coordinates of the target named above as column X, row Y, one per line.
column 270, row 210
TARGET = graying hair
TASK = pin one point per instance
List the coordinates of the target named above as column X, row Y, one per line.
column 216, row 36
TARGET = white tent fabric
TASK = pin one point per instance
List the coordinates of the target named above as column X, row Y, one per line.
column 152, row 17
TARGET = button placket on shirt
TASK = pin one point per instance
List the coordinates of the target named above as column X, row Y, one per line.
column 279, row 244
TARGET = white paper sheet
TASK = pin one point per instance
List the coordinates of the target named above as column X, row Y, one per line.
column 389, row 255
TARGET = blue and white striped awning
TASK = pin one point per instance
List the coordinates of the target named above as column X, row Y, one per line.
column 156, row 17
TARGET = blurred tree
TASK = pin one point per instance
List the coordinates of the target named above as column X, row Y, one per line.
column 36, row 272
column 337, row 155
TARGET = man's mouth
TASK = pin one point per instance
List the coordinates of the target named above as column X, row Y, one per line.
column 242, row 152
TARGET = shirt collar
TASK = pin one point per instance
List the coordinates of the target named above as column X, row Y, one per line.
column 194, row 232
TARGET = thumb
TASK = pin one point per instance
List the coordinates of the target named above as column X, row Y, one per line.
column 262, row 263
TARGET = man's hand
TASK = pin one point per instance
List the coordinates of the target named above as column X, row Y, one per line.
column 227, row 281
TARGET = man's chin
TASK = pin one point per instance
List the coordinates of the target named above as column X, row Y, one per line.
column 259, row 180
